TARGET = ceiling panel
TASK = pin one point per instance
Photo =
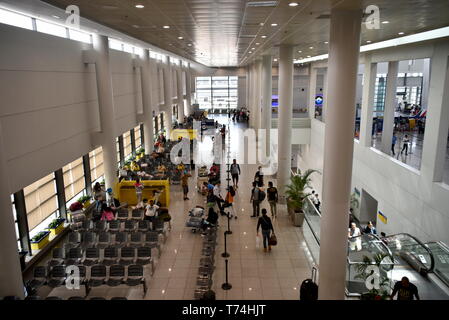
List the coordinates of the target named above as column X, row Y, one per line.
column 220, row 30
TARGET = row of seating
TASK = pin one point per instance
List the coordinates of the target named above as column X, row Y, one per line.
column 117, row 226
column 119, row 239
column 206, row 268
column 99, row 275
column 75, row 298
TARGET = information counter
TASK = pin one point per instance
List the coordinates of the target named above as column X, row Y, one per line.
column 127, row 191
column 183, row 133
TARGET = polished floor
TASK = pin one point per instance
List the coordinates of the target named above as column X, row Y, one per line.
column 253, row 274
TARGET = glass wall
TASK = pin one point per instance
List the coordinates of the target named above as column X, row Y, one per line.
column 41, row 203
column 138, row 137
column 217, row 92
column 127, row 147
column 96, row 165
column 74, row 182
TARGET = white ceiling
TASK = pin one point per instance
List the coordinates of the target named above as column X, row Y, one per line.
column 221, row 33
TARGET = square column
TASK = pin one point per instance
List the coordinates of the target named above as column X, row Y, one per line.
column 437, row 122
column 267, row 90
column 390, row 106
column 148, row 125
column 179, row 87
column 313, row 72
column 168, row 97
column 369, row 83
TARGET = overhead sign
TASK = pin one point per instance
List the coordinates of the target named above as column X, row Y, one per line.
column 319, row 100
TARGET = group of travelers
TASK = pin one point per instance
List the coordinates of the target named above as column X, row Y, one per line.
column 240, row 115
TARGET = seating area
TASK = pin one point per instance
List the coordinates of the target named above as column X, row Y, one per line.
column 206, row 269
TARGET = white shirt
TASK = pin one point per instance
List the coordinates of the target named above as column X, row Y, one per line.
column 354, row 233
column 151, row 210
column 316, row 200
column 216, row 191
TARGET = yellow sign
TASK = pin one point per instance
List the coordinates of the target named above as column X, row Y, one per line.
column 382, row 217
column 183, row 133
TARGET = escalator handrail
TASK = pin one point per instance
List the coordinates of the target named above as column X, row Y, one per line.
column 375, row 236
column 442, row 244
column 432, row 260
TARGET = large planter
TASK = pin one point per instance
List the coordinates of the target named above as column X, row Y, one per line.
column 42, row 242
column 57, row 230
column 86, row 204
column 297, row 218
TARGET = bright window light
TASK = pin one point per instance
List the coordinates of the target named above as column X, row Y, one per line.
column 115, row 44
column 79, row 36
column 127, row 48
column 51, row 28
column 15, row 19
column 414, row 38
column 138, row 51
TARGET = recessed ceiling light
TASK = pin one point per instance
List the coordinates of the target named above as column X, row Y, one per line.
column 274, row 24
column 293, row 4
column 326, row 42
column 310, row 48
column 166, row 27
column 263, row 37
column 257, row 43
column 368, row 41
column 299, row 51
column 308, row 56
column 140, row 6
column 385, row 22
column 180, row 38
column 401, row 33
column 261, row 24
column 275, row 60
column 135, row 26
column 189, row 44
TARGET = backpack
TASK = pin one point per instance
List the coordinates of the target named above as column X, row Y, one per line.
column 261, row 195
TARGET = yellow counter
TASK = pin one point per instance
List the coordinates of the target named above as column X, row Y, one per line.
column 127, row 191
column 184, row 133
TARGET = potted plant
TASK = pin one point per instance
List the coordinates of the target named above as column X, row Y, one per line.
column 296, row 194
column 380, row 293
column 56, row 226
column 40, row 240
column 85, row 200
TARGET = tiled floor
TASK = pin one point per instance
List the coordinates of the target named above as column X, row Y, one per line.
column 252, row 273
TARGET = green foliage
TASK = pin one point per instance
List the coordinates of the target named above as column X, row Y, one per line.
column 55, row 223
column 38, row 237
column 140, row 151
column 84, row 199
column 296, row 190
column 374, row 294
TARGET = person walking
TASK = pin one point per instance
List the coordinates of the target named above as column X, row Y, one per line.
column 355, row 243
column 185, row 184
column 139, row 189
column 258, row 177
column 255, row 200
column 218, row 198
column 150, row 211
column 235, row 172
column 393, row 143
column 99, row 196
column 405, row 142
column 272, row 195
column 370, row 228
column 267, row 228
column 229, row 201
column 405, row 290
column 316, row 202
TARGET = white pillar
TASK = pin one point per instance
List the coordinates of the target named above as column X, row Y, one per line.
column 285, row 116
column 168, row 97
column 390, row 106
column 188, row 91
column 258, row 90
column 266, row 98
column 324, row 106
column 251, row 95
column 180, row 87
column 437, row 122
column 11, row 283
column 313, row 72
column 338, row 150
column 107, row 112
column 369, row 83
column 148, row 123
column 248, row 84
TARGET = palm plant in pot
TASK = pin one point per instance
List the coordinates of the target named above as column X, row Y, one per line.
column 296, row 194
column 381, row 292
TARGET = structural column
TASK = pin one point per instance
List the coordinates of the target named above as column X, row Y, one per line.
column 390, row 106
column 11, row 283
column 179, row 87
column 148, row 123
column 251, row 95
column 168, row 97
column 266, row 99
column 369, row 83
column 106, row 106
column 338, row 149
column 437, row 123
column 188, row 91
column 285, row 110
column 258, row 95
column 313, row 73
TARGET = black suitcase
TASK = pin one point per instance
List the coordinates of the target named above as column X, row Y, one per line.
column 309, row 288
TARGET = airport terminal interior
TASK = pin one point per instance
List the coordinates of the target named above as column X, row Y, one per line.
column 224, row 150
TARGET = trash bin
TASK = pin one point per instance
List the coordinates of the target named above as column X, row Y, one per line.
column 298, row 219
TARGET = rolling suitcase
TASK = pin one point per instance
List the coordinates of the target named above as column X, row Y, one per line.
column 309, row 288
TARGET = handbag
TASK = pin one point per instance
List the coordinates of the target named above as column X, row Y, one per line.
column 273, row 240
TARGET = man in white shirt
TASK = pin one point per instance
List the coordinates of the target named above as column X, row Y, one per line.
column 316, row 202
column 355, row 242
column 151, row 211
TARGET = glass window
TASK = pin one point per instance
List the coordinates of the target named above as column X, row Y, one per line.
column 96, row 164
column 41, row 202
column 79, row 36
column 74, row 182
column 127, row 144
column 51, row 28
column 15, row 19
column 138, row 137
column 13, row 204
column 128, row 48
column 217, row 92
column 115, row 44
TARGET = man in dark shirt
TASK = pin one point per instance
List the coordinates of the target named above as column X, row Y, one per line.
column 272, row 195
column 405, row 290
column 267, row 227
